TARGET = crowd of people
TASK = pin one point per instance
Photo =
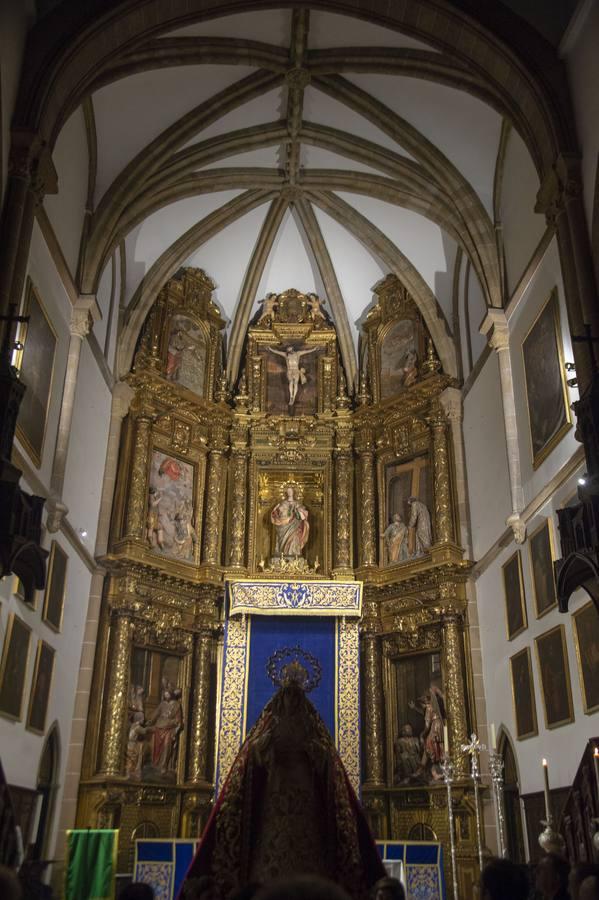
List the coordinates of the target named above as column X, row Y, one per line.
column 551, row 879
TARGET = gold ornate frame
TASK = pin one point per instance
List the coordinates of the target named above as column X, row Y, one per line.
column 589, row 710
column 535, row 731
column 538, row 639
column 554, row 441
column 548, row 523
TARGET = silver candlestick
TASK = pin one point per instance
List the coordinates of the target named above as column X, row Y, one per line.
column 473, row 749
column 496, row 768
column 447, row 770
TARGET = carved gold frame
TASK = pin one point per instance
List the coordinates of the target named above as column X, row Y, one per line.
column 557, row 437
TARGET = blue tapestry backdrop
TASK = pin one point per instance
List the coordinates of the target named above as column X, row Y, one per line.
column 316, row 635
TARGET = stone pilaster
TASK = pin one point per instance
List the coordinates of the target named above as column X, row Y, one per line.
column 495, row 328
column 197, row 767
column 116, row 695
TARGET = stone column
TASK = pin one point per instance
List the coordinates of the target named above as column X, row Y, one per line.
column 374, row 742
column 367, row 501
column 116, row 694
column 239, row 464
column 455, row 696
column 495, row 328
column 200, row 707
column 343, row 503
column 442, row 489
column 137, row 500
column 214, row 492
column 81, row 322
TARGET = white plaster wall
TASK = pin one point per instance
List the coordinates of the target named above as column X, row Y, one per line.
column 15, row 20
column 582, row 64
column 87, row 448
column 561, row 746
column 56, row 303
column 66, row 209
column 547, row 276
column 486, row 458
column 522, row 227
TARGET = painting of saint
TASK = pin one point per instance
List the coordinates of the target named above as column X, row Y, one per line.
column 399, row 358
column 585, row 623
column 547, row 398
column 515, row 603
column 541, row 561
column 523, row 694
column 36, row 370
column 170, row 527
column 40, row 689
column 14, row 667
column 186, row 354
column 552, row 657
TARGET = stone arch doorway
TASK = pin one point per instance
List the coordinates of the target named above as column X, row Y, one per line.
column 47, row 784
column 514, row 835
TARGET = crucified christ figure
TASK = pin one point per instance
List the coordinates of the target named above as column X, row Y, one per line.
column 294, row 373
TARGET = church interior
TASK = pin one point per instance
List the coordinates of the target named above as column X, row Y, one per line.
column 299, row 383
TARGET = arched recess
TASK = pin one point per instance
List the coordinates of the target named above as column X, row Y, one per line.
column 47, row 786
column 514, row 833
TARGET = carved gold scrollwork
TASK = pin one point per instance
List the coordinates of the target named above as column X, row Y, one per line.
column 443, row 511
column 117, row 692
column 367, row 520
column 198, row 755
column 212, row 527
column 373, row 708
column 451, row 630
column 238, row 513
column 343, row 494
column 138, row 488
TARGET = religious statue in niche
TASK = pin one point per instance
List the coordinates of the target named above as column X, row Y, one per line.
column 290, row 519
column 408, row 756
column 296, row 374
column 186, row 354
column 396, row 539
column 169, row 524
column 431, row 706
column 419, row 528
column 152, row 743
column 136, row 738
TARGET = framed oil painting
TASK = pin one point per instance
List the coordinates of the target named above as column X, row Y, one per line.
column 13, row 667
column 552, row 658
column 546, row 393
column 585, row 623
column 170, row 529
column 36, row 367
column 55, row 587
column 540, row 544
column 40, row 688
column 523, row 695
column 186, row 354
column 515, row 601
column 400, row 357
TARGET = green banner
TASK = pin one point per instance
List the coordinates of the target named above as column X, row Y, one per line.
column 91, row 864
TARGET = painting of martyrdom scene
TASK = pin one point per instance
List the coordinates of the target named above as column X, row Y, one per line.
column 548, row 409
column 523, row 695
column 408, row 533
column 291, row 378
column 541, row 562
column 36, row 369
column 552, row 657
column 585, row 623
column 170, row 526
column 515, row 602
column 418, row 748
column 186, row 354
column 155, row 717
column 400, row 350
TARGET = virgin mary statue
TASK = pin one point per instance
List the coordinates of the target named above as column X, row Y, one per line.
column 290, row 518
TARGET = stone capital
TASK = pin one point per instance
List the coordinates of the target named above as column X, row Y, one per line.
column 518, row 526
column 122, row 395
column 56, row 511
column 452, row 402
column 496, row 329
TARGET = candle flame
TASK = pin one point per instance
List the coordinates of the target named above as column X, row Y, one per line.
column 544, row 762
column 596, row 751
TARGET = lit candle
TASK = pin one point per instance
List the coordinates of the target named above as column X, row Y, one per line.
column 493, row 739
column 596, row 761
column 446, row 740
column 547, row 797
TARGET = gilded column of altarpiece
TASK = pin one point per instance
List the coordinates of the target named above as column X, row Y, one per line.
column 202, row 473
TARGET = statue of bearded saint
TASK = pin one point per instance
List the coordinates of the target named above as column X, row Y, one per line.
column 290, row 518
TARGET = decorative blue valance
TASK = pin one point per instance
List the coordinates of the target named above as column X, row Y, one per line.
column 295, row 598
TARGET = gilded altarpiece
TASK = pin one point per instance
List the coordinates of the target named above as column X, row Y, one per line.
column 282, row 475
